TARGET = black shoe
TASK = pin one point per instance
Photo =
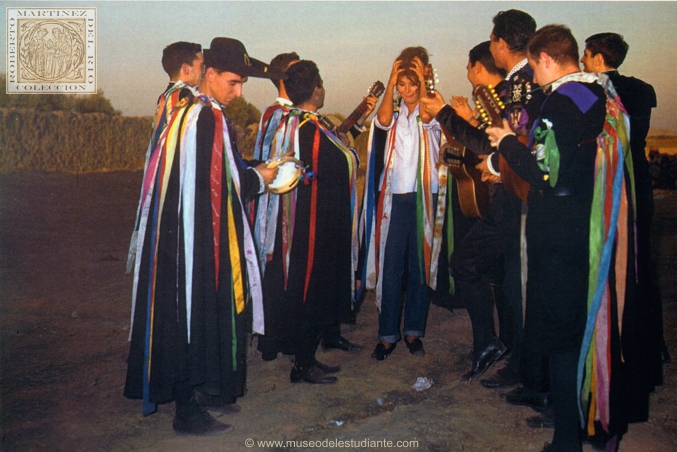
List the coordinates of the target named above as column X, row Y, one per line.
column 381, row 352
column 544, row 420
column 506, row 355
column 203, row 425
column 312, row 374
column 213, row 403
column 340, row 343
column 481, row 363
column 538, row 402
column 503, row 378
column 327, row 369
column 415, row 347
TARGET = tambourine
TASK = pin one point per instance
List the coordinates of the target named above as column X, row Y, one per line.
column 288, row 176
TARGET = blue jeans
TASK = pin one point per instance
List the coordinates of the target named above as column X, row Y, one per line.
column 401, row 252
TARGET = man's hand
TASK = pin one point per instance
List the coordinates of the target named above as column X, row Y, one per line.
column 487, row 176
column 496, row 134
column 430, row 106
column 344, row 139
column 268, row 174
column 371, row 104
column 461, row 107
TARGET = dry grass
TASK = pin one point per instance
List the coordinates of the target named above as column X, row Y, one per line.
column 65, row 141
column 663, row 144
column 72, row 142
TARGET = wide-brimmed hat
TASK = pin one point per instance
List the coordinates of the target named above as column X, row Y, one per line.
column 227, row 54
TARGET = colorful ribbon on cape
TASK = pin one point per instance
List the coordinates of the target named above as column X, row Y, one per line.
column 375, row 216
column 271, row 127
column 181, row 128
column 287, row 141
column 609, row 239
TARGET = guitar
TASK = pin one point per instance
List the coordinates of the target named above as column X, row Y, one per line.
column 489, row 105
column 491, row 110
column 473, row 194
column 337, row 127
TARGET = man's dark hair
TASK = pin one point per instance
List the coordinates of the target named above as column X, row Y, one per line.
column 302, row 79
column 407, row 57
column 281, row 62
column 557, row 41
column 515, row 27
column 481, row 53
column 175, row 55
column 612, row 46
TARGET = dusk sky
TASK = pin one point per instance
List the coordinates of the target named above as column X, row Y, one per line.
column 354, row 43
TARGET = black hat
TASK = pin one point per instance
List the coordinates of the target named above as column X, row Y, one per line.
column 227, row 54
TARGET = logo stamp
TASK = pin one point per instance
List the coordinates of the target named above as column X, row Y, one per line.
column 51, row 50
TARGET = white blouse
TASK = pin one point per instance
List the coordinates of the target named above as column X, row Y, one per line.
column 405, row 159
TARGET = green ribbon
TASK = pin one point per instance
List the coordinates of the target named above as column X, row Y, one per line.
column 549, row 164
column 420, row 206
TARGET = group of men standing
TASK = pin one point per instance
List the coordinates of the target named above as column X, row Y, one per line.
column 199, row 274
column 195, row 257
column 565, row 232
column 213, row 249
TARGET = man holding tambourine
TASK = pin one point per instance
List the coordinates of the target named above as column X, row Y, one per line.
column 312, row 255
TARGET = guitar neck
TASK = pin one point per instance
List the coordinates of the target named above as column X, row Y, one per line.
column 351, row 120
column 489, row 105
column 450, row 139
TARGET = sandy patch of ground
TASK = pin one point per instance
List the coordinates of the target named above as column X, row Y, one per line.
column 65, row 319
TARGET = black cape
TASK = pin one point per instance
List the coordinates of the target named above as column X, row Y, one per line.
column 214, row 360
column 329, row 291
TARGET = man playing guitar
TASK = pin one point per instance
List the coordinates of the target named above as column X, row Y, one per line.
column 478, row 253
column 510, row 35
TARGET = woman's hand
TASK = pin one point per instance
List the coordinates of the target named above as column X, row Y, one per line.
column 395, row 73
column 417, row 66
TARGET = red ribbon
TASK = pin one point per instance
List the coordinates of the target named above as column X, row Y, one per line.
column 215, row 174
column 313, row 215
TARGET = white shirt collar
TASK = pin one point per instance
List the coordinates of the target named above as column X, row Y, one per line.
column 583, row 77
column 284, row 102
column 516, row 68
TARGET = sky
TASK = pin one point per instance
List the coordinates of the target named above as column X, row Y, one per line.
column 354, row 43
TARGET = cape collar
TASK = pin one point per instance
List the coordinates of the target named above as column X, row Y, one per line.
column 582, row 77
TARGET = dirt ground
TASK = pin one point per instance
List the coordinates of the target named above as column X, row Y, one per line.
column 65, row 319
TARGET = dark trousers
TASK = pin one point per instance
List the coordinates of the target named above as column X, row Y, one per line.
column 305, row 345
column 402, row 252
column 486, row 268
column 513, row 208
column 331, row 332
column 563, row 385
